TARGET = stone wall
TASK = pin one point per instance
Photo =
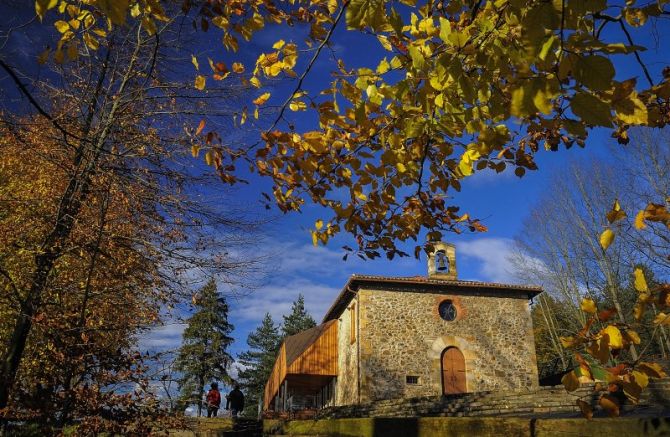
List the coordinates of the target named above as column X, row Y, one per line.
column 346, row 392
column 542, row 402
column 401, row 334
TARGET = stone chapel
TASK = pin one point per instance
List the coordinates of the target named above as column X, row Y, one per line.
column 390, row 337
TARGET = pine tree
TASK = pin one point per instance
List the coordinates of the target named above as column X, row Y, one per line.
column 203, row 355
column 263, row 344
column 298, row 320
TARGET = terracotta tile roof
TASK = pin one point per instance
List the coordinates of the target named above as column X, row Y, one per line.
column 355, row 281
column 298, row 343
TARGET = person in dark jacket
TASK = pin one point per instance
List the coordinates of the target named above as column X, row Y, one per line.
column 213, row 400
column 235, row 401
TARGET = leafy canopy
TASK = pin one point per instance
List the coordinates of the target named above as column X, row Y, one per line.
column 465, row 86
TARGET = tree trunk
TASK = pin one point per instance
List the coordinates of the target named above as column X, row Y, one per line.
column 201, row 393
column 75, row 194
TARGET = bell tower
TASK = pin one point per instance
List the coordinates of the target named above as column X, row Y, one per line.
column 442, row 261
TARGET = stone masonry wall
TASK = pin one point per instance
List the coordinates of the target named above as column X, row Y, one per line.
column 401, row 333
column 347, row 364
column 541, row 402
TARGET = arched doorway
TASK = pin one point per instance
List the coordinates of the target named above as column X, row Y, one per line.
column 453, row 371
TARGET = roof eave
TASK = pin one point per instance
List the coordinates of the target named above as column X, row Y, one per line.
column 353, row 283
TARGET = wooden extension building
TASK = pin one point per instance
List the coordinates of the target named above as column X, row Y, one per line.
column 304, row 374
column 388, row 337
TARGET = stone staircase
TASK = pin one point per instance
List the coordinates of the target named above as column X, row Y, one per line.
column 543, row 402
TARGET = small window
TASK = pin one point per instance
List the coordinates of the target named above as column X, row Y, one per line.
column 448, row 310
column 352, row 324
column 412, row 379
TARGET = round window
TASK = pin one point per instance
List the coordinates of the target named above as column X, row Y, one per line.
column 448, row 310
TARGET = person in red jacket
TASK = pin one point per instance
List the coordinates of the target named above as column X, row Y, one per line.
column 213, row 400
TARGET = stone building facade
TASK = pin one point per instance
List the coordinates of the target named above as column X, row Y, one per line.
column 402, row 337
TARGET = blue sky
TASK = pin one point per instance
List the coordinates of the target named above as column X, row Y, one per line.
column 295, row 266
column 501, row 200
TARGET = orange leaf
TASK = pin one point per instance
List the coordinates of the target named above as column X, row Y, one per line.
column 585, row 408
column 607, row 314
column 610, row 404
column 570, row 381
column 201, row 126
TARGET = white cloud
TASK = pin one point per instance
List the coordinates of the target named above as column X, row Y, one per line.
column 491, row 258
column 164, row 337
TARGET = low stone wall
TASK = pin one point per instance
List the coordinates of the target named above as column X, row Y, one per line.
column 542, row 402
column 469, row 426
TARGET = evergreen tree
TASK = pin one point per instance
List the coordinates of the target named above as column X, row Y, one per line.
column 203, row 355
column 263, row 344
column 298, row 320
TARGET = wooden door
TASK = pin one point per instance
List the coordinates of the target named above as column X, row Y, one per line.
column 453, row 371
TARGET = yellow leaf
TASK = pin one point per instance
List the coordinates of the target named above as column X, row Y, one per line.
column 640, row 281
column 615, row 337
column 209, row 157
column 195, row 150
column 62, row 26
column 278, row 45
column 90, row 41
column 570, row 381
column 262, row 99
column 401, row 167
column 149, row 25
column 631, row 110
column 318, row 225
column 653, row 370
column 297, row 105
column 200, row 82
column 588, row 306
column 255, row 82
column 662, row 319
column 467, row 161
column 616, row 213
column 42, row 6
column 641, row 378
column 639, row 220
column 194, row 61
column 567, row 342
column 315, row 238
column 632, row 336
column 606, row 238
column 384, row 41
column 238, row 67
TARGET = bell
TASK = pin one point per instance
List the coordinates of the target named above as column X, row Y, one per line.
column 441, row 262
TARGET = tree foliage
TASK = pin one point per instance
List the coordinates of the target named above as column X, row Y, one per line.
column 604, row 274
column 465, row 86
column 257, row 362
column 100, row 225
column 203, row 355
column 298, row 319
